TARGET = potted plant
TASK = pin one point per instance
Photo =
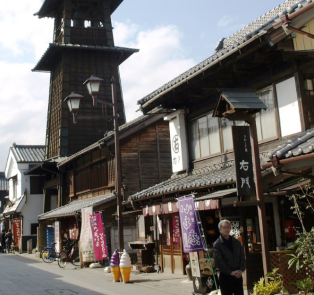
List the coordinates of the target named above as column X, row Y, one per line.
column 304, row 285
column 273, row 286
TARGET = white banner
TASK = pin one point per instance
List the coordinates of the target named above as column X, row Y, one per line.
column 57, row 235
column 86, row 238
column 178, row 140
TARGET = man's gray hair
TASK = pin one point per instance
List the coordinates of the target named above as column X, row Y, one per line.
column 223, row 221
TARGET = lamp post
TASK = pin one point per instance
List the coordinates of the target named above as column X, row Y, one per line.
column 73, row 100
column 242, row 105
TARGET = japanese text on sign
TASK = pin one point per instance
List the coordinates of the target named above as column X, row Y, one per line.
column 243, row 160
column 191, row 233
column 99, row 239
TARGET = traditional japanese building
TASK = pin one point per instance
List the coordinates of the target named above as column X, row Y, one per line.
column 83, row 45
column 270, row 59
column 89, row 179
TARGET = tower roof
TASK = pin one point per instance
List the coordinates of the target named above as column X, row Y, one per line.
column 50, row 7
column 54, row 51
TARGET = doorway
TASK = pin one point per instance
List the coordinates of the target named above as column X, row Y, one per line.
column 171, row 245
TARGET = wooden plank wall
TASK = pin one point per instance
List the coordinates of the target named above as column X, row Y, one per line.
column 146, row 157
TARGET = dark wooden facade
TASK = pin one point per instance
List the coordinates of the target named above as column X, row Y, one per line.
column 72, row 58
column 145, row 160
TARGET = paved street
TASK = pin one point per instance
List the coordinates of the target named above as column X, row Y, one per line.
column 25, row 275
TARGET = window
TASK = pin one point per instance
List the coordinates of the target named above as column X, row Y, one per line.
column 227, row 134
column 195, row 145
column 36, row 185
column 266, row 119
column 34, row 228
column 82, row 180
column 204, row 134
column 288, row 107
column 210, row 136
column 99, row 175
column 213, row 133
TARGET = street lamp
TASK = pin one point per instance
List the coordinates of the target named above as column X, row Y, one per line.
column 93, row 84
column 73, row 100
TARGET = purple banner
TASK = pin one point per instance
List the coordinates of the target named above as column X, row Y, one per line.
column 99, row 239
column 192, row 239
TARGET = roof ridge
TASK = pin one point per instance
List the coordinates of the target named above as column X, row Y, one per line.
column 229, row 43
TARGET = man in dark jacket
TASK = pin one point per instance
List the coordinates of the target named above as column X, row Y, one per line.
column 230, row 260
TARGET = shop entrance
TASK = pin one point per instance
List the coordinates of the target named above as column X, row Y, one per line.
column 171, row 245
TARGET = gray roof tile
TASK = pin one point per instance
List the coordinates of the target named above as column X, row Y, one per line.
column 46, row 63
column 302, row 144
column 28, row 153
column 76, row 206
column 197, row 178
column 231, row 43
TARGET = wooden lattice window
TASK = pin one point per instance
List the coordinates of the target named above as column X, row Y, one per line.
column 82, row 182
column 111, row 171
column 99, row 175
column 71, row 184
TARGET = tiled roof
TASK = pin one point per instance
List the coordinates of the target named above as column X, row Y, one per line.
column 110, row 135
column 16, row 206
column 222, row 173
column 4, row 184
column 28, row 153
column 76, row 206
column 49, row 7
column 302, row 144
column 46, row 62
column 229, row 45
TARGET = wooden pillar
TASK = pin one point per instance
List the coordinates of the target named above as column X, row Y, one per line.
column 260, row 196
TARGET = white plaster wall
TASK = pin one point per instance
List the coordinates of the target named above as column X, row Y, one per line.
column 30, row 211
column 34, row 203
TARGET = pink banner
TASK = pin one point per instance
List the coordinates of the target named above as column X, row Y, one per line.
column 99, row 239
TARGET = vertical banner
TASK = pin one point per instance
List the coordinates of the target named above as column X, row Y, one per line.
column 243, row 160
column 192, row 239
column 99, row 239
column 73, row 229
column 17, row 231
column 86, row 238
column 176, row 231
column 179, row 150
column 57, row 235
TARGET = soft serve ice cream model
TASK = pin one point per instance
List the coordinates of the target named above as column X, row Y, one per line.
column 114, row 265
column 125, row 266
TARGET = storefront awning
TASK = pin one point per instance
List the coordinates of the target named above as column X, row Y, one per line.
column 172, row 207
column 76, row 206
column 16, row 206
column 219, row 194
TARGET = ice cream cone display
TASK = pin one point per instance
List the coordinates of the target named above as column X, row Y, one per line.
column 115, row 270
column 114, row 265
column 125, row 266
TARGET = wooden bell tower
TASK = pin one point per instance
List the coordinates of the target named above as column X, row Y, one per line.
column 82, row 46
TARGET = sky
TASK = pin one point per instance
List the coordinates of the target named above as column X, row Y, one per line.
column 172, row 35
